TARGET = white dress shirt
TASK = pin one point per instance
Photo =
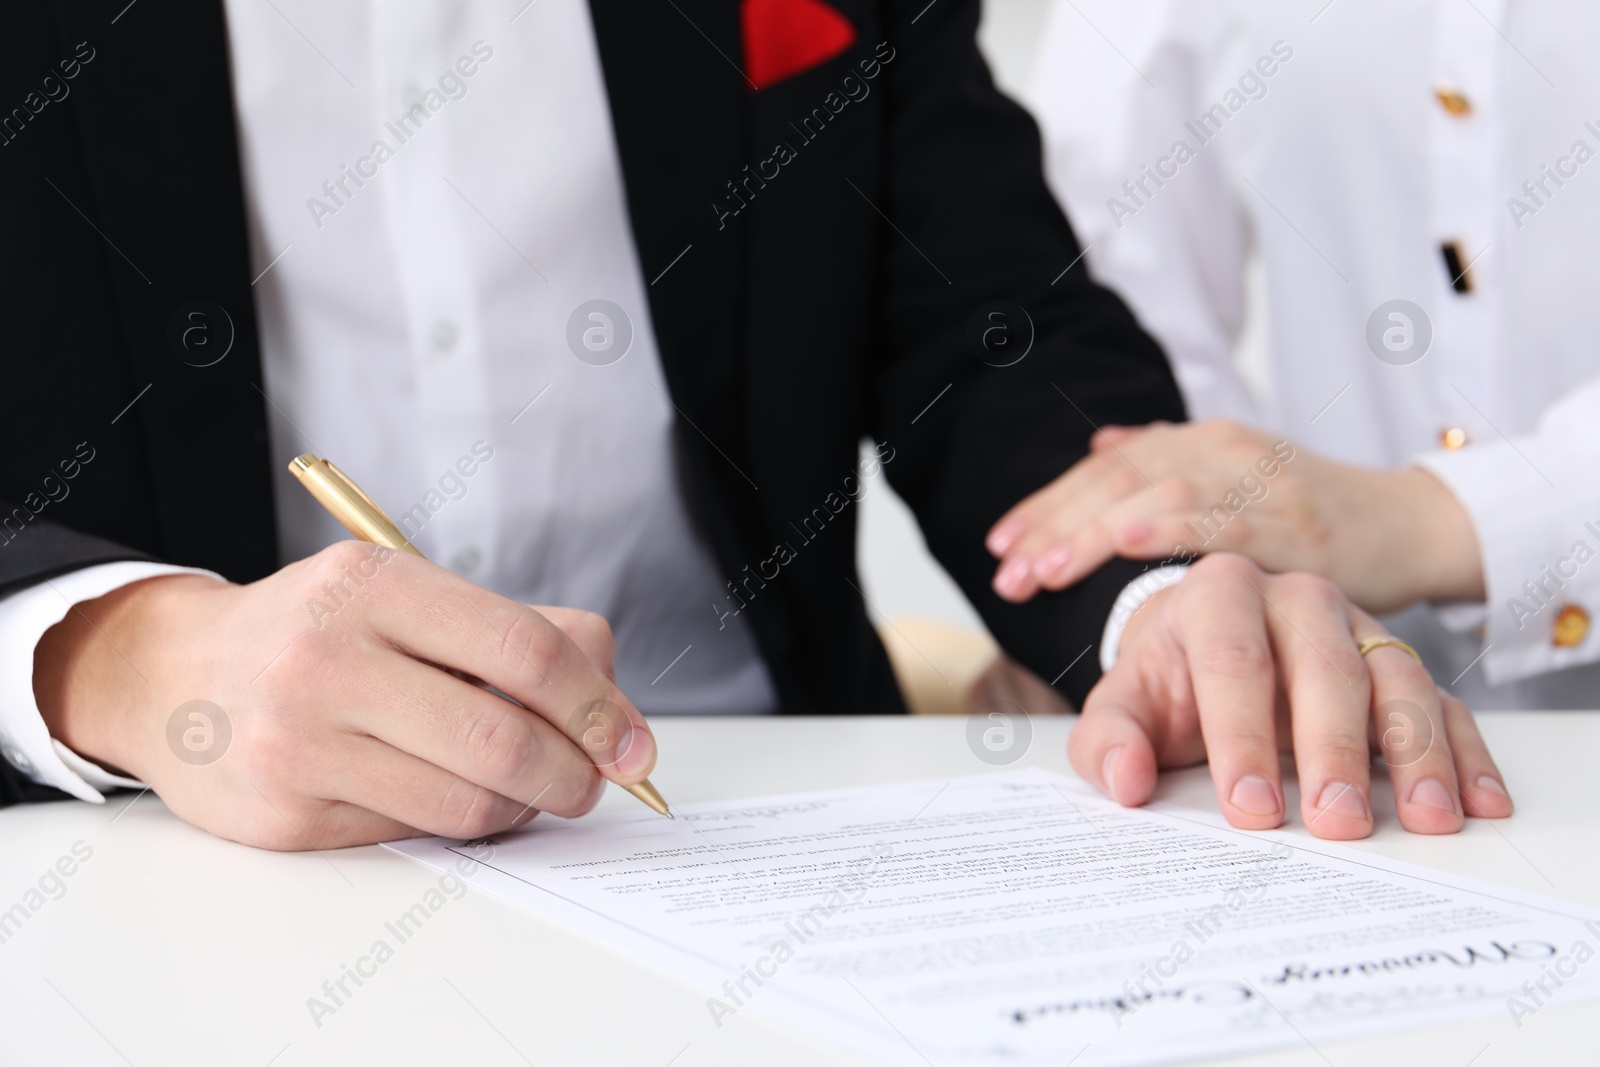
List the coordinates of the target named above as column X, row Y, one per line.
column 1318, row 137
column 420, row 319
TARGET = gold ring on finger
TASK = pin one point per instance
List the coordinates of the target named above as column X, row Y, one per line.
column 1367, row 644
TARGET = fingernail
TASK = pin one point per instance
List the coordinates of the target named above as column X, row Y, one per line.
column 1255, row 795
column 1430, row 792
column 1342, row 798
column 1492, row 784
column 1053, row 563
column 637, row 755
column 1013, row 574
column 1108, row 770
column 1135, row 532
column 1002, row 537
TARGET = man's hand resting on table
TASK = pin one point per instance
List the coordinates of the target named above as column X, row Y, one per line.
column 1231, row 664
column 348, row 725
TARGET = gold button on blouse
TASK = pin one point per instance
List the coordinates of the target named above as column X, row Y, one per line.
column 1571, row 627
column 1453, row 438
column 1452, row 100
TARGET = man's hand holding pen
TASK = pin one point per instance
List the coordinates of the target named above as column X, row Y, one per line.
column 353, row 723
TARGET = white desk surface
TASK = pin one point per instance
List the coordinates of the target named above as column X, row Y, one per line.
column 170, row 946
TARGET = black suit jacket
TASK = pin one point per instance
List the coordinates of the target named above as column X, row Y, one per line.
column 837, row 301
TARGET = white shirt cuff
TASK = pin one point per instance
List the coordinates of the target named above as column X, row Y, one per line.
column 25, row 615
column 1536, row 541
column 1133, row 597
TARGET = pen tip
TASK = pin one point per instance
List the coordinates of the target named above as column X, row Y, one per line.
column 647, row 793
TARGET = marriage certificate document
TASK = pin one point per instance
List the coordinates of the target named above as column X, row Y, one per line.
column 1021, row 918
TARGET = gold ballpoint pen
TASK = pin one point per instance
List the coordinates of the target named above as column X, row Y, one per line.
column 361, row 515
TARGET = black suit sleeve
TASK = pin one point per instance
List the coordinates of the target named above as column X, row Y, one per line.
column 33, row 548
column 973, row 224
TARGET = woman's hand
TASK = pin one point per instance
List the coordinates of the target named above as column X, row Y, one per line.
column 1166, row 491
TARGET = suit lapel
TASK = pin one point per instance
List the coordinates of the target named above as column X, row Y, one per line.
column 678, row 105
column 162, row 181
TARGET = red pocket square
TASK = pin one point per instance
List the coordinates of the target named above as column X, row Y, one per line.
column 783, row 38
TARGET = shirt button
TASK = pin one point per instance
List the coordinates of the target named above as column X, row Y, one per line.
column 466, row 561
column 1453, row 438
column 1452, row 100
column 1571, row 627
column 16, row 758
column 445, row 335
